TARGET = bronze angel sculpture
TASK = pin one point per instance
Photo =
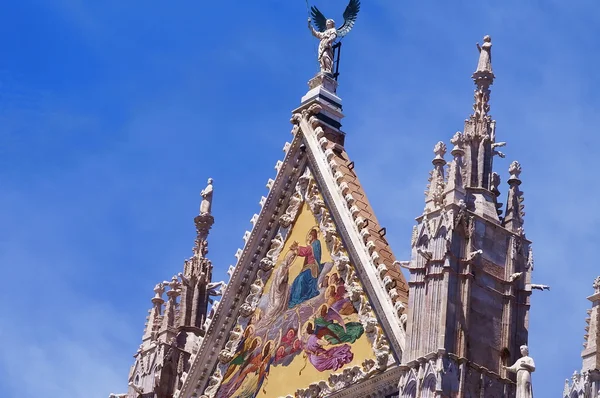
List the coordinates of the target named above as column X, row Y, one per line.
column 327, row 33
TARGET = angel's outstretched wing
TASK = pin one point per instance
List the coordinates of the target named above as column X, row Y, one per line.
column 349, row 17
column 319, row 19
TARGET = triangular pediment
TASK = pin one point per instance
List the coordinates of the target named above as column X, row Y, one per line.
column 314, row 303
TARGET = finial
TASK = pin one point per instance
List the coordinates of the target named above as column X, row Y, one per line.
column 159, row 289
column 596, row 285
column 207, row 194
column 457, row 140
column 440, row 150
column 515, row 171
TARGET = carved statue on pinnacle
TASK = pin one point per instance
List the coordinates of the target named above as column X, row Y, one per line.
column 483, row 78
column 327, row 33
column 485, row 55
column 207, row 194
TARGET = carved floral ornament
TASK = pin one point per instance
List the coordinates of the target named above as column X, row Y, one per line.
column 515, row 170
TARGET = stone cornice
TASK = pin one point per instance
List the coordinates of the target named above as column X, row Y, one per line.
column 357, row 250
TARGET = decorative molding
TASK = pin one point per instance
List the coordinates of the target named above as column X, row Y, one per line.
column 235, row 336
column 249, row 306
column 346, row 214
column 248, row 258
column 268, row 262
column 352, row 382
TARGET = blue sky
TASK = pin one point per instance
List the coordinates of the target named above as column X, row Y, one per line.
column 113, row 114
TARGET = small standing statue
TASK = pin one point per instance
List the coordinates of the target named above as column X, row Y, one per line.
column 327, row 33
column 485, row 55
column 523, row 368
column 207, row 194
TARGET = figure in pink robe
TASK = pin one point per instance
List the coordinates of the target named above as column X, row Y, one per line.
column 325, row 359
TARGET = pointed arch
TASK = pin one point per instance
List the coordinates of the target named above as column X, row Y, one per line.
column 429, row 384
column 442, row 232
column 423, row 240
column 410, row 391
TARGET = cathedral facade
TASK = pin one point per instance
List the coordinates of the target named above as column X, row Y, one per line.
column 317, row 304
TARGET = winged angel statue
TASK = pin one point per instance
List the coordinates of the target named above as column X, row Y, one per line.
column 327, row 32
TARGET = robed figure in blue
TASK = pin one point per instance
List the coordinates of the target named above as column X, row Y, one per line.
column 304, row 286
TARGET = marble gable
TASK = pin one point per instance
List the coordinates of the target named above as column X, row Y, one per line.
column 307, row 320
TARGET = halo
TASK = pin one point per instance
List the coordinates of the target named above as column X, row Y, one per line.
column 270, row 344
column 249, row 330
column 305, row 326
column 321, row 309
column 332, row 287
column 310, row 230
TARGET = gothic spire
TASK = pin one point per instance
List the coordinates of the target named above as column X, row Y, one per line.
column 197, row 273
column 477, row 144
column 454, row 241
